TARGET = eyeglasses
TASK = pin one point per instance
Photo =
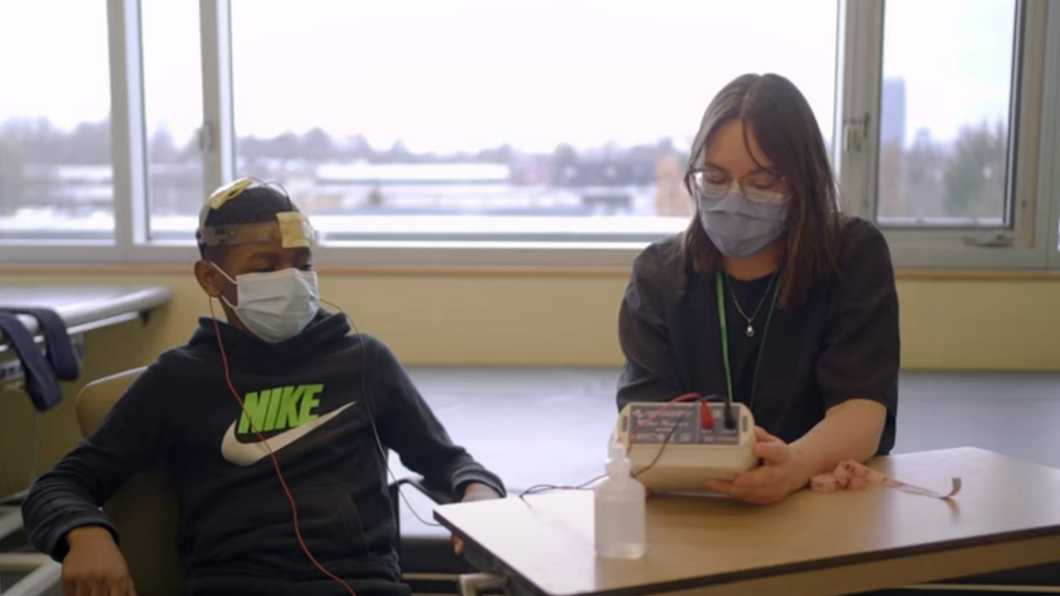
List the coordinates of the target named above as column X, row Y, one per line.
column 758, row 186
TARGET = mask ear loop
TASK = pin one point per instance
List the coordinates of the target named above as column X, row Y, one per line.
column 222, row 297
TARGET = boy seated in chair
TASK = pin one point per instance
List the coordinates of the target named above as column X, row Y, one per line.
column 283, row 384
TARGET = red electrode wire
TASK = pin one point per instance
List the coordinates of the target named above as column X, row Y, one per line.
column 684, row 398
column 275, row 461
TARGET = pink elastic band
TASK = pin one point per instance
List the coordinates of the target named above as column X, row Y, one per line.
column 850, row 475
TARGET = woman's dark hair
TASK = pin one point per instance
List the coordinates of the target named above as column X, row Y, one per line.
column 254, row 205
column 772, row 109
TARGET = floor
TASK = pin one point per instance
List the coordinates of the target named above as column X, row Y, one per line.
column 529, row 410
column 550, row 426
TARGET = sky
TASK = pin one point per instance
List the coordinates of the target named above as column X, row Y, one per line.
column 956, row 59
column 467, row 74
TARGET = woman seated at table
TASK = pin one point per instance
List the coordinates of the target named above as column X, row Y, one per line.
column 807, row 293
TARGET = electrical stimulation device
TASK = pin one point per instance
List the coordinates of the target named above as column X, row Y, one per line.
column 679, row 446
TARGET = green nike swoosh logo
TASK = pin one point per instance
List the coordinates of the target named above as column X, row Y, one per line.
column 246, row 454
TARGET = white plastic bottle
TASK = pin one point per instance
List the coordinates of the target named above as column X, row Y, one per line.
column 619, row 510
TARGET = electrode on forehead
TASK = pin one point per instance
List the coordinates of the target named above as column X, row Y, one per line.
column 290, row 228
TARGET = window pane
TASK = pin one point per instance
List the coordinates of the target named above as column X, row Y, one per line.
column 944, row 129
column 55, row 145
column 173, row 113
column 564, row 118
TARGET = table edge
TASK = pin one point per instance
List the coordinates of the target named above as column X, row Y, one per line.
column 767, row 572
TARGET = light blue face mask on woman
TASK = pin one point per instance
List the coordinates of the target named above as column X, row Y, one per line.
column 739, row 227
column 277, row 305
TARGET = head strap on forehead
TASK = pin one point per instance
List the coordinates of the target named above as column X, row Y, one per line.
column 290, row 228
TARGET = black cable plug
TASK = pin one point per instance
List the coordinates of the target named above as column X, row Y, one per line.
column 730, row 412
column 730, row 416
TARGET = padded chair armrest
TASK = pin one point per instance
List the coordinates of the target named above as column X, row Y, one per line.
column 439, row 496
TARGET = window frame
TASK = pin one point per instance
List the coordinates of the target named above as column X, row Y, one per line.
column 1032, row 201
column 1050, row 170
column 859, row 54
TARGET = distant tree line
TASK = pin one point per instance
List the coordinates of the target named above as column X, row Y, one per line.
column 964, row 178
column 29, row 144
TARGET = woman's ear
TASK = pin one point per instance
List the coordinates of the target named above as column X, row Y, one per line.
column 209, row 278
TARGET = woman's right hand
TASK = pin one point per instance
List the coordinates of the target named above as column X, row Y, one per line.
column 94, row 566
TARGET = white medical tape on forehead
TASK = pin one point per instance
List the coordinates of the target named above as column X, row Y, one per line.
column 221, row 196
column 291, row 229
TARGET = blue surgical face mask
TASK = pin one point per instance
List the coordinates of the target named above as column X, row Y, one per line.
column 277, row 305
column 739, row 227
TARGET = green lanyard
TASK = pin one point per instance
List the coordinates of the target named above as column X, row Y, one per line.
column 723, row 321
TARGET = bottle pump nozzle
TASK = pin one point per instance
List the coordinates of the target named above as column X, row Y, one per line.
column 617, row 461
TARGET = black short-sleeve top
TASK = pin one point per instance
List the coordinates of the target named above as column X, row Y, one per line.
column 841, row 343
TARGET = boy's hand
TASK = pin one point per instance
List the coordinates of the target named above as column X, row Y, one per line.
column 94, row 565
column 474, row 492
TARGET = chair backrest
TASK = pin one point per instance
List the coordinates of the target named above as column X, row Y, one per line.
column 145, row 508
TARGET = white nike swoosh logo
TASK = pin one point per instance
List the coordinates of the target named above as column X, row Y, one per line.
column 246, row 454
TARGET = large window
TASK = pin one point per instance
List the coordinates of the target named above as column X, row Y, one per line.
column 947, row 128
column 520, row 119
column 517, row 133
column 945, row 113
column 172, row 75
column 55, row 140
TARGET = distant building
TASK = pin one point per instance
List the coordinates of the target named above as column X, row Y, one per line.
column 892, row 109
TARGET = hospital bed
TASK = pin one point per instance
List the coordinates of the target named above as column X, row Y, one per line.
column 81, row 309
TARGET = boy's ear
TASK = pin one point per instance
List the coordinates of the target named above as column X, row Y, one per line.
column 209, row 278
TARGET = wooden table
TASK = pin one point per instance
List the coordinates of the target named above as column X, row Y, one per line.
column 1007, row 516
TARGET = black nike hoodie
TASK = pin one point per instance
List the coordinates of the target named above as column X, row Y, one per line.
column 315, row 397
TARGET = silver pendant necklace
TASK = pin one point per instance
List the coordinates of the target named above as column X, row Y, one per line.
column 750, row 319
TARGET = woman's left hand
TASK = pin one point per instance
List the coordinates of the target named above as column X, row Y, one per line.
column 474, row 492
column 781, row 473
